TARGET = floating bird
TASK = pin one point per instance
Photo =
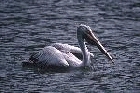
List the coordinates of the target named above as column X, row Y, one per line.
column 64, row 55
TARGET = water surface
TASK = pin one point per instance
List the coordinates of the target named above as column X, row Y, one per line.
column 27, row 26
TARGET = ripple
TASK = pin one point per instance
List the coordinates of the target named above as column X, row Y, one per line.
column 28, row 26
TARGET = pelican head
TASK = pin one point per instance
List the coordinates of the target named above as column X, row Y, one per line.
column 85, row 33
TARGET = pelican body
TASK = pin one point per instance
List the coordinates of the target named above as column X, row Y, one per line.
column 64, row 55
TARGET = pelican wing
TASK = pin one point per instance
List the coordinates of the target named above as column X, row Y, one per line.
column 65, row 48
column 49, row 56
column 72, row 60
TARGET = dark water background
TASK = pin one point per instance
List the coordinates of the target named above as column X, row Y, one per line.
column 27, row 26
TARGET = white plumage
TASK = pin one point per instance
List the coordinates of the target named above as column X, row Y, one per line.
column 65, row 55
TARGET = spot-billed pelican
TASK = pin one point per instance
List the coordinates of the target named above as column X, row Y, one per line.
column 64, row 55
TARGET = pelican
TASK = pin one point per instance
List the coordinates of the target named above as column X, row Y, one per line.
column 64, row 55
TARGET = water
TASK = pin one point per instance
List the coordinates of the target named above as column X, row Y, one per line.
column 27, row 26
